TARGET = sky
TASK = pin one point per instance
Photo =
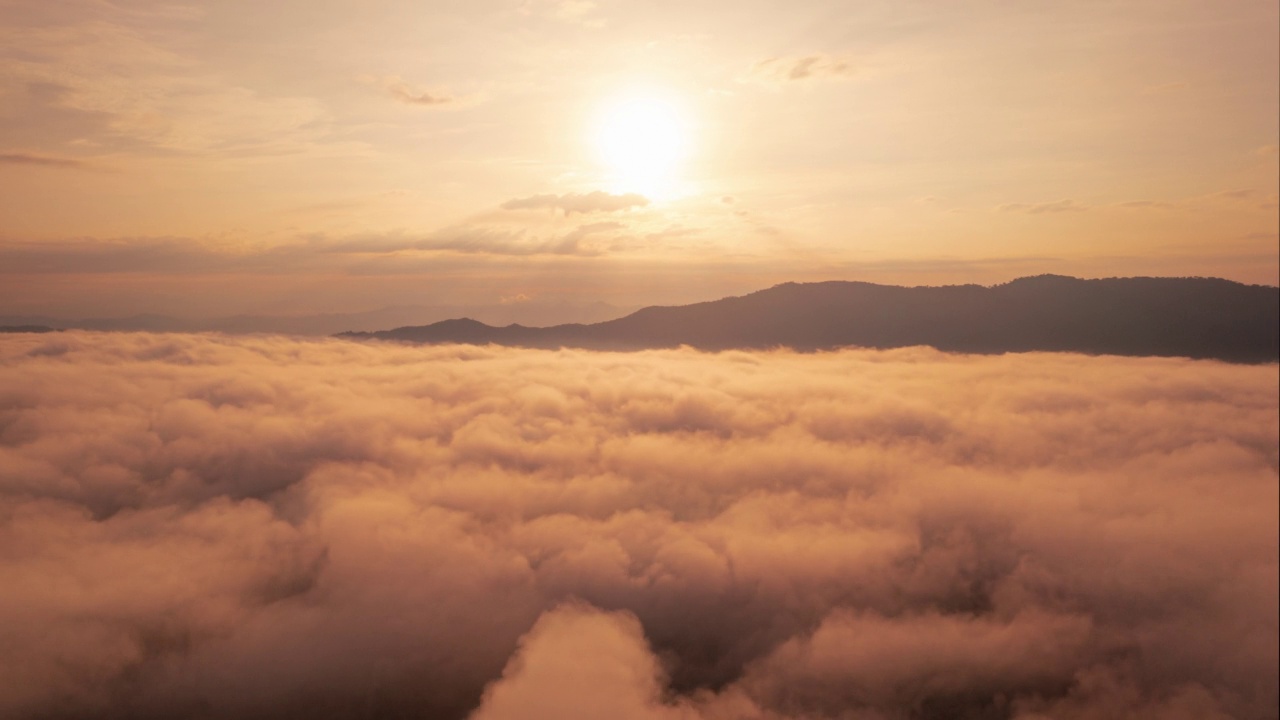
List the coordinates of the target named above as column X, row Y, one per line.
column 203, row 159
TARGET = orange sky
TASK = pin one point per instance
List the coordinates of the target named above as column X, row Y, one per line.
column 291, row 157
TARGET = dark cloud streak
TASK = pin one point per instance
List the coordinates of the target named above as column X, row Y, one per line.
column 409, row 96
column 41, row 161
column 801, row 68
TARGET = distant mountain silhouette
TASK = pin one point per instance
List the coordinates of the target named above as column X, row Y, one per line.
column 534, row 312
column 1184, row 317
column 26, row 329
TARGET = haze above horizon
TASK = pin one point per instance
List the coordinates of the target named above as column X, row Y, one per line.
column 294, row 158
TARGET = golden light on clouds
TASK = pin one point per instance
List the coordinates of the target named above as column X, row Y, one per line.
column 905, row 143
column 643, row 139
column 246, row 526
column 702, row 500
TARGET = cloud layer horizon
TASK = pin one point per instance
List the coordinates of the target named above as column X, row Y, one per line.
column 207, row 526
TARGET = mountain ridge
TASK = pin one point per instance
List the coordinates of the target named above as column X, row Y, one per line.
column 1184, row 317
column 535, row 312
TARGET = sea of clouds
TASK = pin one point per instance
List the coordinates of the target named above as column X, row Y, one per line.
column 216, row 527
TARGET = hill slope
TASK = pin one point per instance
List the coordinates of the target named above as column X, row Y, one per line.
column 1188, row 317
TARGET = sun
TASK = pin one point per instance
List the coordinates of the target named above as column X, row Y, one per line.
column 642, row 140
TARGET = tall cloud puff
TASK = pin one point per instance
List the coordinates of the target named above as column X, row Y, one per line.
column 263, row 527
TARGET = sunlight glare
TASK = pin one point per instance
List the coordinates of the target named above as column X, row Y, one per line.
column 642, row 140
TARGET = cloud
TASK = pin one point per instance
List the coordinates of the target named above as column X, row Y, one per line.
column 412, row 95
column 41, row 160
column 141, row 255
column 480, row 239
column 189, row 256
column 1059, row 206
column 780, row 70
column 98, row 80
column 1147, row 205
column 118, row 255
column 582, row 663
column 265, row 527
column 592, row 202
column 1188, row 203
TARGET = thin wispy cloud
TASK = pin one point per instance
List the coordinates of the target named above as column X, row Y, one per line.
column 1148, row 205
column 37, row 160
column 411, row 95
column 593, row 202
column 781, row 70
column 1058, row 206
